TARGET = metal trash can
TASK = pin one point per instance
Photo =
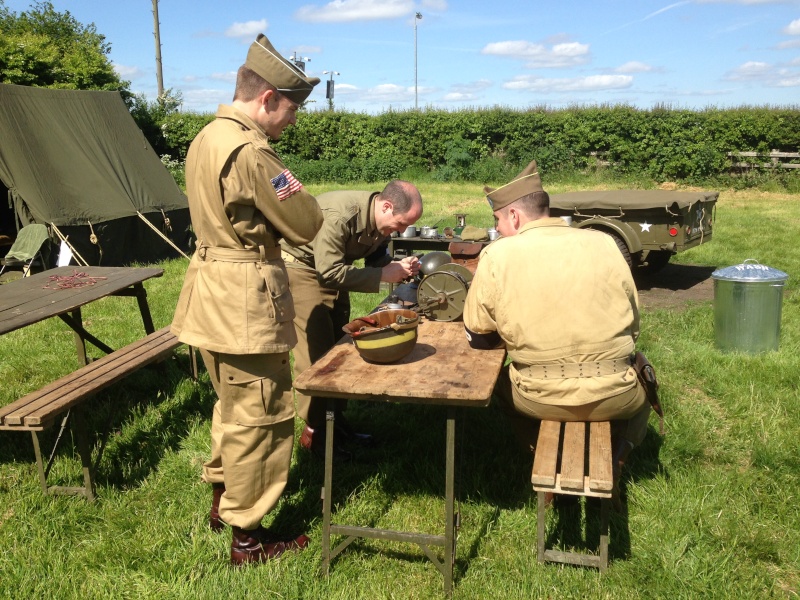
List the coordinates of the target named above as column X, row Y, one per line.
column 747, row 307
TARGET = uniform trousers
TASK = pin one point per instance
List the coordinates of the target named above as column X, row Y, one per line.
column 320, row 314
column 628, row 412
column 252, row 433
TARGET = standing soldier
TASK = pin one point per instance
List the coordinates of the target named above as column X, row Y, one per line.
column 322, row 274
column 235, row 305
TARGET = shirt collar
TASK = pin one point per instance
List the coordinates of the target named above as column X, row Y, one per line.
column 546, row 222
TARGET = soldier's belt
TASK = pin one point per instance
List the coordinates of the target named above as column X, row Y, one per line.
column 239, row 255
column 596, row 368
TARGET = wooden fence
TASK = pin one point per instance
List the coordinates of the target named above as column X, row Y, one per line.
column 771, row 160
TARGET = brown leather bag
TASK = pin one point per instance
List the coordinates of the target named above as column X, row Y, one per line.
column 647, row 377
column 466, row 253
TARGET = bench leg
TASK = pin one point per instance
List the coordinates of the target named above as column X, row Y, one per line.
column 540, row 516
column 82, row 442
column 605, row 507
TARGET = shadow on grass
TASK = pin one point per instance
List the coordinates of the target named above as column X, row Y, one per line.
column 131, row 426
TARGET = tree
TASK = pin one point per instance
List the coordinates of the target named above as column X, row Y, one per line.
column 45, row 48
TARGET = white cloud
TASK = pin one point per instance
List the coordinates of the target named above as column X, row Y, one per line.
column 788, row 82
column 458, row 97
column 228, row 76
column 345, row 88
column 469, row 88
column 200, row 100
column 592, row 83
column 247, row 31
column 342, row 11
column 634, row 66
column 750, row 71
column 565, row 54
column 434, row 5
column 793, row 28
column 129, row 73
column 307, row 49
column 789, row 44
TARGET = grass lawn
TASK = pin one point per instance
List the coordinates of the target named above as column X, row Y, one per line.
column 712, row 507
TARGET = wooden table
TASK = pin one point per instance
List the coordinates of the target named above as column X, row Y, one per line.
column 455, row 375
column 36, row 298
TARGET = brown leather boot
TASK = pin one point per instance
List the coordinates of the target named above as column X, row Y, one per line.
column 258, row 545
column 216, row 524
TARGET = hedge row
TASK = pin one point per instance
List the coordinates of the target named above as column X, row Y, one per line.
column 487, row 144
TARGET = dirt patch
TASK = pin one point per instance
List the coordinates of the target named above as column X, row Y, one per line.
column 676, row 286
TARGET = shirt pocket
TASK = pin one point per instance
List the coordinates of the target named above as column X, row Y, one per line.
column 281, row 305
column 258, row 389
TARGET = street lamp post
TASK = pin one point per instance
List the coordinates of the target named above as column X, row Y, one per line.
column 329, row 90
column 417, row 17
column 300, row 61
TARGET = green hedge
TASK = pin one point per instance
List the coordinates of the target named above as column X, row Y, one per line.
column 663, row 144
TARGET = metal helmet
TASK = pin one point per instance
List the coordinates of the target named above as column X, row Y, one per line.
column 432, row 261
column 384, row 336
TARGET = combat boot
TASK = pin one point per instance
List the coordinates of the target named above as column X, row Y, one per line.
column 258, row 545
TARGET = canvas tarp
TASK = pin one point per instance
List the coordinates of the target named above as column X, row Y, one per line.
column 77, row 160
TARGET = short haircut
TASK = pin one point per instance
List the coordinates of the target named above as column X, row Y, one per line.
column 534, row 204
column 402, row 194
column 250, row 85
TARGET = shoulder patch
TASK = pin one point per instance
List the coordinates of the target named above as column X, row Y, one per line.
column 285, row 184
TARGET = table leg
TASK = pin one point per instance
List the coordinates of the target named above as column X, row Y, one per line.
column 327, row 489
column 449, row 532
column 144, row 308
column 80, row 343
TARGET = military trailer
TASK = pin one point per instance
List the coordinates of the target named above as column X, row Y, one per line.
column 649, row 226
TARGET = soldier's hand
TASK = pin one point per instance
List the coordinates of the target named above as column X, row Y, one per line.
column 398, row 271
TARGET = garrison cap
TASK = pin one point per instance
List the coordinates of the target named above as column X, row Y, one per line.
column 283, row 74
column 527, row 182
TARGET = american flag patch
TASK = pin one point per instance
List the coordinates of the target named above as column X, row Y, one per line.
column 285, row 184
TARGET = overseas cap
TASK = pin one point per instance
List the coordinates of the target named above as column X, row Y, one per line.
column 285, row 76
column 527, row 182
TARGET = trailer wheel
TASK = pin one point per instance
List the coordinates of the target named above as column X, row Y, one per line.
column 623, row 248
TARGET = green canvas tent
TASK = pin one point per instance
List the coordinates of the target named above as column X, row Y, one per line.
column 76, row 162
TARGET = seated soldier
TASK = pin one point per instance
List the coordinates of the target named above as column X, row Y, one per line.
column 564, row 304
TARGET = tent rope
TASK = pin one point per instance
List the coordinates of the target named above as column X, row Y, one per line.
column 166, row 239
column 95, row 241
column 77, row 256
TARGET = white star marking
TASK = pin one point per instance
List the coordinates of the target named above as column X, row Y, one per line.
column 646, row 226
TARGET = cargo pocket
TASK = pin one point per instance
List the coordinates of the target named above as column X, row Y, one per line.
column 258, row 389
column 277, row 281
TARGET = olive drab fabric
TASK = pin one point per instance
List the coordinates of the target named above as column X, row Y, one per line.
column 322, row 273
column 557, row 295
column 235, row 298
column 527, row 182
column 348, row 233
column 287, row 78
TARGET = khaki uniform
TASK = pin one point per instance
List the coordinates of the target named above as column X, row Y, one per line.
column 321, row 275
column 565, row 303
column 236, row 306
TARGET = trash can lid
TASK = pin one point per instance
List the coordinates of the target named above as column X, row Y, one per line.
column 750, row 271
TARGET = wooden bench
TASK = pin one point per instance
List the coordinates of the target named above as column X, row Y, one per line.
column 39, row 410
column 575, row 459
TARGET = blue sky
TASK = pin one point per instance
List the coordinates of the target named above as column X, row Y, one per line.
column 470, row 53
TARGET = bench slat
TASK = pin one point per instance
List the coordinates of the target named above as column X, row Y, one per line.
column 601, row 478
column 41, row 406
column 572, row 459
column 544, row 461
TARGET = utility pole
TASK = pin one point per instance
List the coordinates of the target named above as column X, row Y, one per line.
column 157, row 33
column 417, row 17
column 329, row 90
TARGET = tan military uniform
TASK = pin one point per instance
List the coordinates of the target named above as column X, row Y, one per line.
column 322, row 273
column 235, row 305
column 564, row 302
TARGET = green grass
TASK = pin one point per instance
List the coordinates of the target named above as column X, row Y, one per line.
column 712, row 506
